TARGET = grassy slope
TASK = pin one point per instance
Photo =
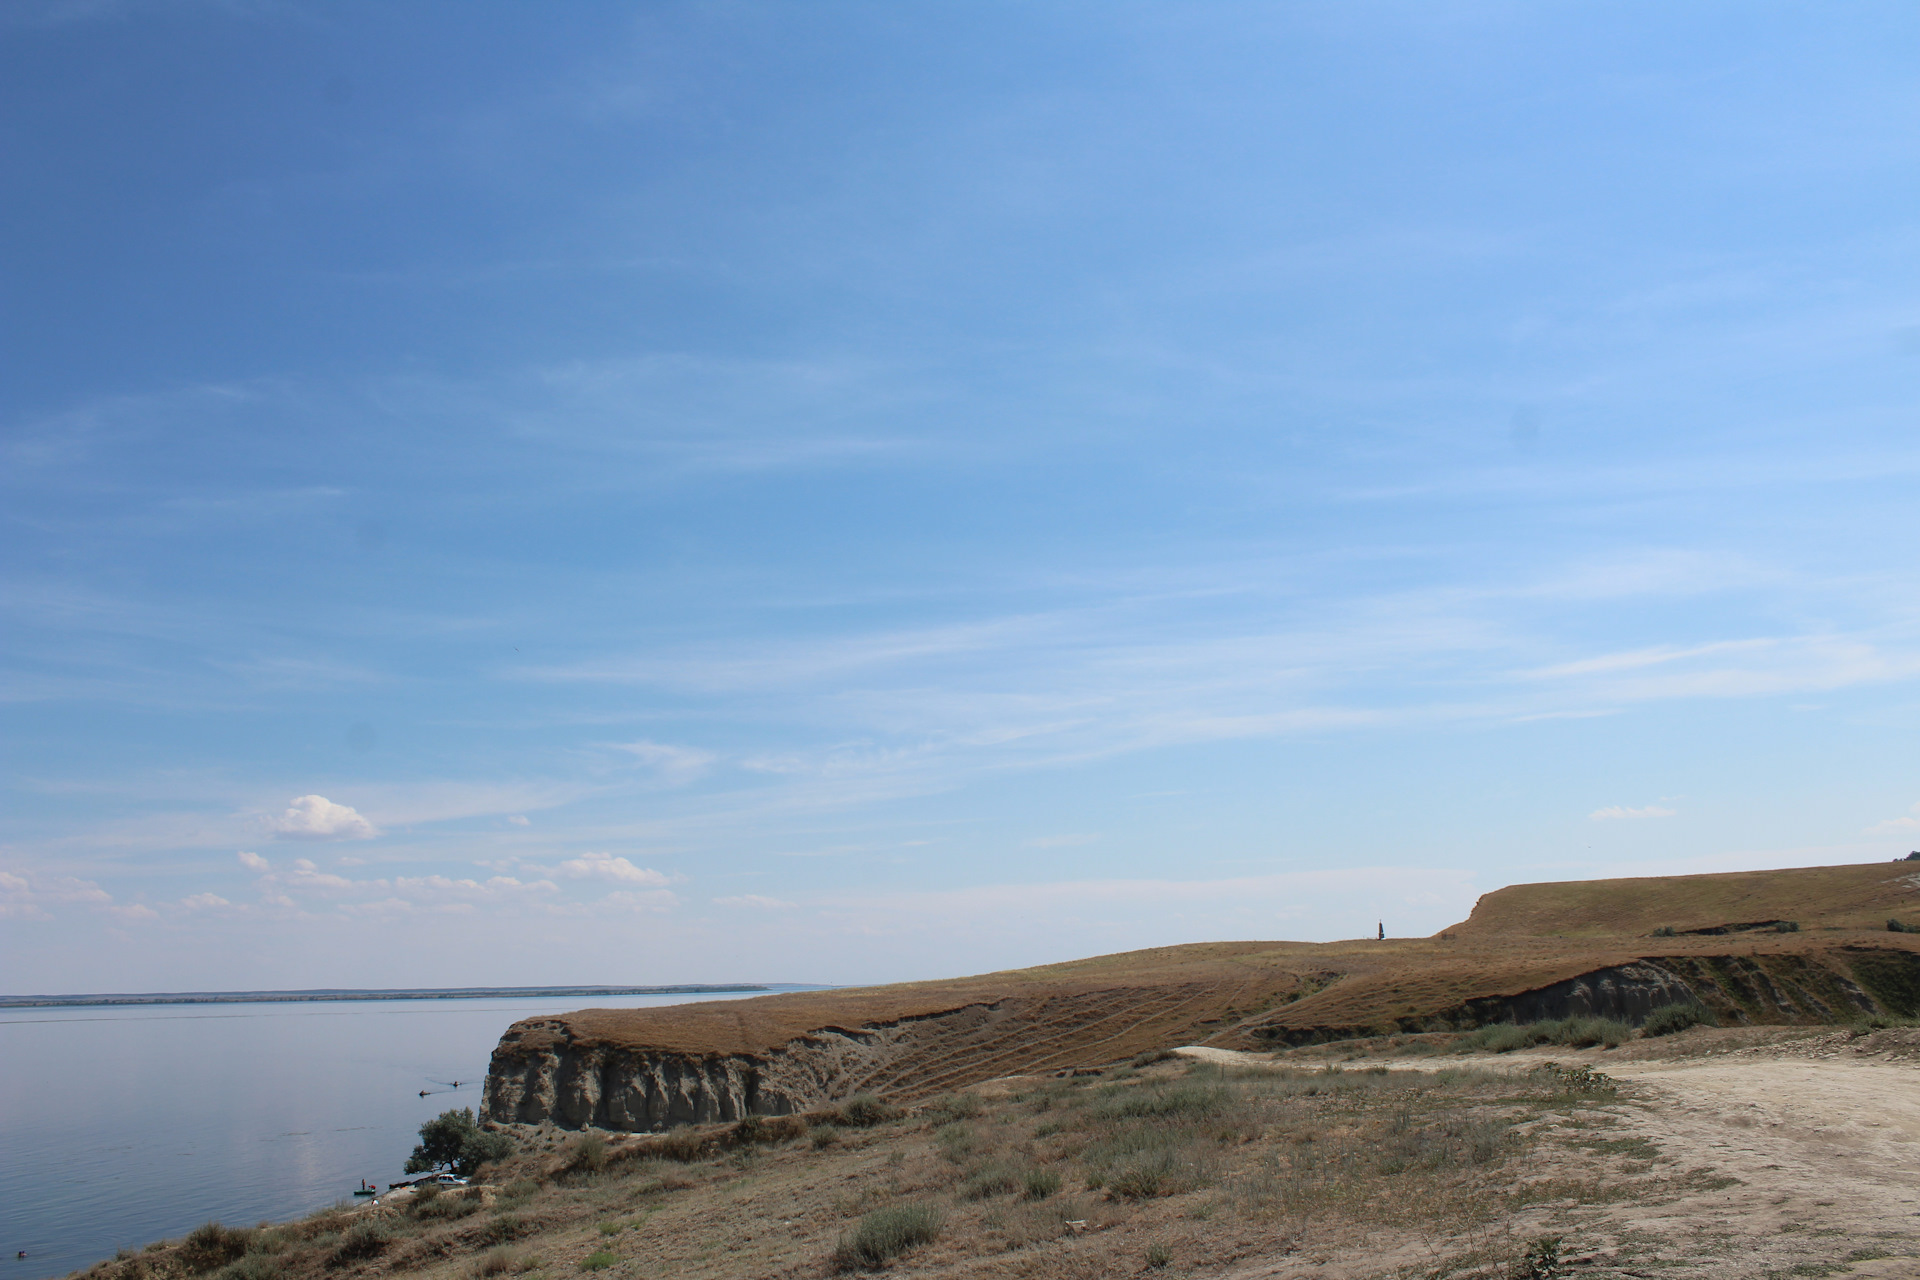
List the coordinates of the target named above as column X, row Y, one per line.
column 1518, row 939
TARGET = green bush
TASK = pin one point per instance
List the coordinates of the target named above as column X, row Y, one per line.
column 598, row 1260
column 211, row 1246
column 1894, row 926
column 885, row 1234
column 1787, row 926
column 1669, row 1018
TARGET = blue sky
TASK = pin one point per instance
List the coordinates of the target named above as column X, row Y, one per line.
column 851, row 492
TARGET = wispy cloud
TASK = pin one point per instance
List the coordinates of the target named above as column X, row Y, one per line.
column 1616, row 811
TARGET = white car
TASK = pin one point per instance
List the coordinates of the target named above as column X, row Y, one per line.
column 444, row 1180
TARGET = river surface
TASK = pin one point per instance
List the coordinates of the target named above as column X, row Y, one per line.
column 120, row 1126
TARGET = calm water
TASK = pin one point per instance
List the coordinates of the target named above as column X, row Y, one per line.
column 120, row 1126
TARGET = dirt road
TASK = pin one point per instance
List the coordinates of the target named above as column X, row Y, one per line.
column 1822, row 1135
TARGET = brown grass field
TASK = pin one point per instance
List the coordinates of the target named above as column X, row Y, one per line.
column 1338, row 1110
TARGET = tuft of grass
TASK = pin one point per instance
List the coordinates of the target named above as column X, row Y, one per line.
column 1665, row 931
column 994, row 1178
column 589, row 1152
column 1158, row 1255
column 1181, row 1101
column 505, row 1227
column 1038, row 1184
column 500, row 1262
column 824, row 1136
column 885, row 1234
column 365, row 1239
column 211, row 1246
column 1669, row 1018
column 254, row 1266
column 952, row 1107
column 598, row 1260
column 866, row 1111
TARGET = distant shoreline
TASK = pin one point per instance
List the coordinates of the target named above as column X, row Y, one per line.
column 345, row 993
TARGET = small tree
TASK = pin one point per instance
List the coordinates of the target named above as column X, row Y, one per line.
column 453, row 1140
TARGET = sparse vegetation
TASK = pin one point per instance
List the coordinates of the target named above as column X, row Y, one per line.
column 1575, row 1033
column 1158, row 1165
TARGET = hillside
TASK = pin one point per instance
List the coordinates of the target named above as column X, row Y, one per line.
column 1527, row 952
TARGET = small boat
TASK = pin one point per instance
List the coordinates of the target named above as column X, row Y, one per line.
column 367, row 1190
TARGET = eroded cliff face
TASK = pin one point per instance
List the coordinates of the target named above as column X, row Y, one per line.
column 542, row 1073
column 539, row 1074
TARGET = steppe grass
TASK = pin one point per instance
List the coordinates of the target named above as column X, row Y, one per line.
column 1670, row 1018
column 1201, row 1160
column 885, row 1234
column 1574, row 1033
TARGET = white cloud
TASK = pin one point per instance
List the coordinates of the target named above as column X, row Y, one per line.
column 1060, row 842
column 204, row 902
column 519, row 820
column 1621, row 811
column 1891, row 825
column 254, row 862
column 754, row 900
column 318, row 818
column 604, row 866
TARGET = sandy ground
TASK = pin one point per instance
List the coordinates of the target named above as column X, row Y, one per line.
column 1823, row 1136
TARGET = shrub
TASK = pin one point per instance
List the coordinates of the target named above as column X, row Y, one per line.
column 367, row 1238
column 865, row 1111
column 885, row 1234
column 1152, row 1056
column 1669, row 1018
column 1664, row 931
column 1787, row 926
column 589, row 1152
column 1894, row 926
column 598, row 1260
column 211, row 1246
column 1158, row 1255
column 1038, row 1184
column 824, row 1136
